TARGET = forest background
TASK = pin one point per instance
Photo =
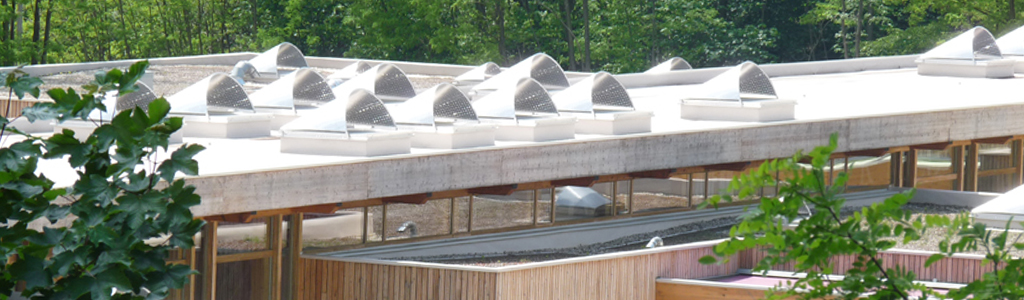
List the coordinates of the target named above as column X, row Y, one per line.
column 618, row 36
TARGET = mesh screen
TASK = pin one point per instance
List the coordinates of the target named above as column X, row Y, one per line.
column 491, row 69
column 607, row 91
column 365, row 109
column 225, row 93
column 532, row 97
column 548, row 72
column 140, row 98
column 985, row 45
column 290, row 56
column 753, row 81
column 311, row 89
column 391, row 81
column 451, row 103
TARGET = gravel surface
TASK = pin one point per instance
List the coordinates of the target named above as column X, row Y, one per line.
column 688, row 233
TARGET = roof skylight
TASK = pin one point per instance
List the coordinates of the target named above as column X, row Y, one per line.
column 528, row 97
column 480, row 73
column 600, row 90
column 216, row 93
column 741, row 83
column 283, row 55
column 1012, row 43
column 360, row 108
column 672, row 64
column 302, row 87
column 386, row 81
column 974, row 44
column 443, row 101
column 541, row 67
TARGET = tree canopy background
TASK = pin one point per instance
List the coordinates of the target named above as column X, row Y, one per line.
column 612, row 35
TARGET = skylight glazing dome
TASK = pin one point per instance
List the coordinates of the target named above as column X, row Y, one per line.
column 974, row 44
column 1012, row 43
column 218, row 93
column 741, row 83
column 672, row 64
column 349, row 72
column 480, row 73
column 302, row 87
column 360, row 108
column 600, row 91
column 386, row 81
column 115, row 104
column 443, row 101
column 541, row 67
column 528, row 97
column 283, row 55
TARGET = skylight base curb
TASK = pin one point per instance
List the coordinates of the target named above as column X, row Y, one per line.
column 747, row 111
column 228, row 126
column 362, row 144
column 39, row 126
column 283, row 116
column 530, row 129
column 614, row 123
column 83, row 129
column 997, row 68
column 454, row 137
column 1018, row 66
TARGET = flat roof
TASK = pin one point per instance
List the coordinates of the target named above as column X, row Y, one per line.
column 888, row 106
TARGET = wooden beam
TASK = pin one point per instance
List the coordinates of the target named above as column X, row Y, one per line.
column 582, row 181
column 295, row 255
column 971, row 169
column 958, row 168
column 910, row 169
column 274, row 227
column 939, row 146
column 870, row 152
column 896, row 169
column 1017, row 150
column 657, row 174
column 244, row 256
column 503, row 190
column 738, row 166
column 408, row 199
column 208, row 245
column 995, row 172
column 247, row 217
column 994, row 140
column 936, row 178
column 189, row 291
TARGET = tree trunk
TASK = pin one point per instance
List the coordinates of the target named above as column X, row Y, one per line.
column 569, row 37
column 36, row 23
column 586, row 35
column 124, row 25
column 46, row 31
column 860, row 22
column 842, row 29
column 652, row 55
column 1012, row 12
column 4, row 24
column 500, row 11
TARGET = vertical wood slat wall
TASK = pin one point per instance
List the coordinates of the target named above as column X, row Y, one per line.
column 951, row 270
column 628, row 277
column 16, row 106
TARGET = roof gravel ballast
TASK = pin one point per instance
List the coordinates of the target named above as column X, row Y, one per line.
column 602, row 106
column 218, row 107
column 285, row 55
column 973, row 54
column 347, row 127
column 386, row 81
column 443, row 118
column 672, row 64
column 1011, row 45
column 541, row 67
column 529, row 105
column 290, row 96
column 743, row 93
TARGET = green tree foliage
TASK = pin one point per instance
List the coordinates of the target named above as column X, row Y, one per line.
column 108, row 234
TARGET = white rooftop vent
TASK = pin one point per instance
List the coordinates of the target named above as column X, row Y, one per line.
column 302, row 87
column 283, row 55
column 974, row 44
column 672, row 64
column 526, row 97
column 218, row 93
column 541, row 67
column 743, row 82
column 743, row 93
column 349, row 72
column 973, row 53
column 386, row 81
column 479, row 74
column 443, row 101
column 360, row 108
column 599, row 91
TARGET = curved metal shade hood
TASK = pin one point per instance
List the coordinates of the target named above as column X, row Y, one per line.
column 974, row 44
column 216, row 93
column 283, row 55
column 1012, row 43
column 350, row 71
column 386, row 81
column 527, row 96
column 599, row 91
column 479, row 74
column 743, row 82
column 443, row 101
column 116, row 103
column 302, row 87
column 540, row 67
column 672, row 64
column 360, row 108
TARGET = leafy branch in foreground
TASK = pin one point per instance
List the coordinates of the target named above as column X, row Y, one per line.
column 107, row 234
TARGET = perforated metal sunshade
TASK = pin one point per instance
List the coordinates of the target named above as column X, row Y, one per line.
column 975, row 43
column 443, row 101
column 527, row 96
column 302, row 87
column 599, row 91
column 540, row 67
column 360, row 108
column 479, row 74
column 1012, row 43
column 350, row 71
column 743, row 82
column 216, row 93
column 386, row 81
column 116, row 103
column 672, row 64
column 283, row 55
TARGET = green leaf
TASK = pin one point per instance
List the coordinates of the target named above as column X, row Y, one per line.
column 181, row 161
column 158, row 110
column 933, row 259
column 708, row 260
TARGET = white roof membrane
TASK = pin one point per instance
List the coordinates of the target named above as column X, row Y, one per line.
column 672, row 64
column 541, row 67
column 443, row 101
column 216, row 93
column 283, row 55
column 975, row 43
column 600, row 91
column 479, row 74
column 527, row 96
column 743, row 82
column 302, row 87
column 386, row 81
column 360, row 108
column 1012, row 43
